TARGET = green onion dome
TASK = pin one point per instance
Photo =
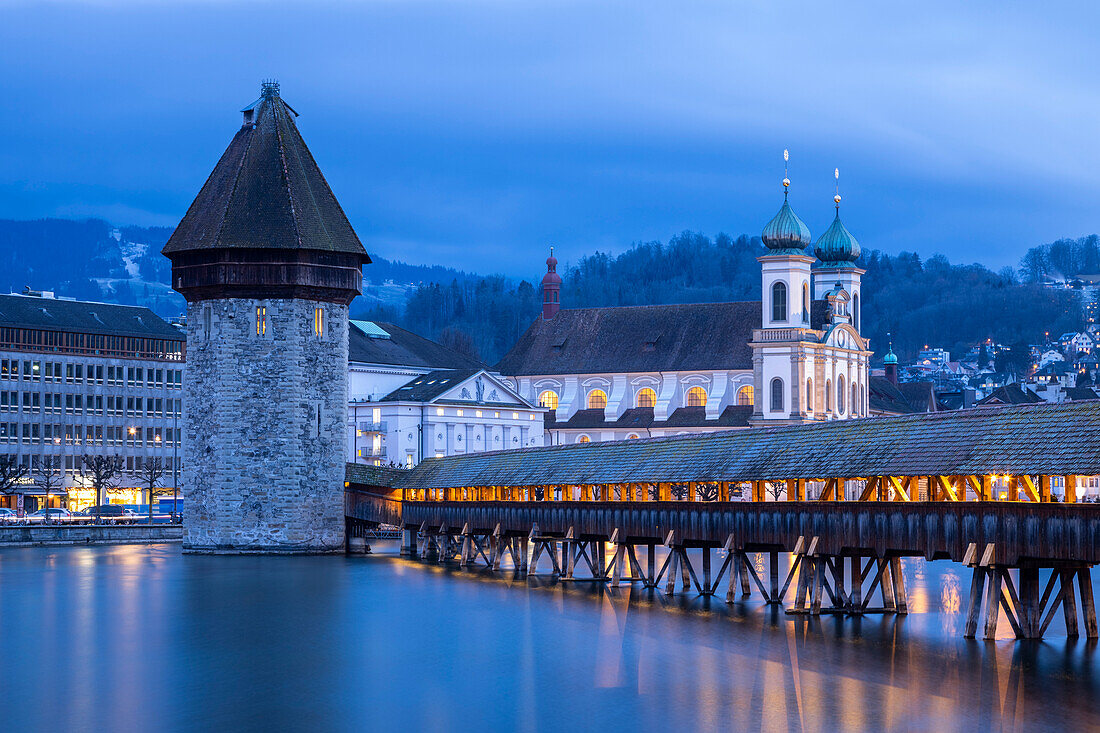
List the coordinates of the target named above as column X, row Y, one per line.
column 786, row 231
column 837, row 246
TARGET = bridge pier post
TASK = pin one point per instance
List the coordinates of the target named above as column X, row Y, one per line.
column 408, row 541
column 773, row 566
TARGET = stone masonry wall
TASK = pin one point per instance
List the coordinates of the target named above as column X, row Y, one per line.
column 264, row 420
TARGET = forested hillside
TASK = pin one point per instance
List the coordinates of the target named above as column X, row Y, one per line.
column 1062, row 260
column 94, row 260
column 921, row 301
column 918, row 301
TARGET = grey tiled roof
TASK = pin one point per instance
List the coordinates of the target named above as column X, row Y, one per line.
column 77, row 316
column 647, row 338
column 1046, row 439
column 734, row 416
column 404, row 348
column 266, row 192
column 428, row 386
column 360, row 473
column 1011, row 394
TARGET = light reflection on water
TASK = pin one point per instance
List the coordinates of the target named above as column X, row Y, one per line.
column 122, row 638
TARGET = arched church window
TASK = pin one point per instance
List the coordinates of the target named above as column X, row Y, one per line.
column 810, row 395
column 855, row 311
column 840, row 394
column 548, row 398
column 584, row 439
column 777, row 395
column 805, row 302
column 855, row 399
column 597, row 399
column 745, row 396
column 828, row 395
column 646, row 398
column 779, row 301
column 697, row 397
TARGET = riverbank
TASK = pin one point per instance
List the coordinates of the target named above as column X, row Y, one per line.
column 87, row 534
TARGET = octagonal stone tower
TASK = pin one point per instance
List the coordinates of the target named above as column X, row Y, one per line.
column 268, row 263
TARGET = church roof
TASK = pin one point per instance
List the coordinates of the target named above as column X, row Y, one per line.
column 266, row 192
column 647, row 338
column 403, row 348
column 427, row 387
column 734, row 416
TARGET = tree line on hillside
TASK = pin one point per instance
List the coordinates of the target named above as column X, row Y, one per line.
column 1062, row 260
column 916, row 301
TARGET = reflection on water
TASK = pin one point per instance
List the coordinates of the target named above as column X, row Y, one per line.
column 121, row 638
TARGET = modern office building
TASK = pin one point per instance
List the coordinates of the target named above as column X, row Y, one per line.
column 86, row 379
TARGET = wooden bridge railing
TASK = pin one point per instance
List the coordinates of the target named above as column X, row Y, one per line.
column 997, row 487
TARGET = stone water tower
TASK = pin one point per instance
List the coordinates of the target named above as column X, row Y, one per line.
column 268, row 263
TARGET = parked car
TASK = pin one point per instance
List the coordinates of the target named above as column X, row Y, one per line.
column 55, row 516
column 7, row 516
column 111, row 513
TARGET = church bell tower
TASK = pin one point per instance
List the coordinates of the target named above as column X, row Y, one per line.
column 268, row 263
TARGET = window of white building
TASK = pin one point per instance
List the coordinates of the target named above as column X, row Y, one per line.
column 696, row 397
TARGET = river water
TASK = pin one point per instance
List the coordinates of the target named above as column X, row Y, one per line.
column 143, row 638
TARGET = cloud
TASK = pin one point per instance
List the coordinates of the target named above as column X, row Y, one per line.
column 473, row 134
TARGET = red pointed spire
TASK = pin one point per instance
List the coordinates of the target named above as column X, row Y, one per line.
column 551, row 288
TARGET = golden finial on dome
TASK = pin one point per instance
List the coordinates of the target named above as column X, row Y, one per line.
column 836, row 175
column 786, row 180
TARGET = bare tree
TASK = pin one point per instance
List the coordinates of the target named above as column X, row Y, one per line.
column 776, row 488
column 150, row 473
column 102, row 473
column 11, row 473
column 708, row 491
column 49, row 475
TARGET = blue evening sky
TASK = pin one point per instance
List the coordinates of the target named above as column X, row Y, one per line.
column 474, row 134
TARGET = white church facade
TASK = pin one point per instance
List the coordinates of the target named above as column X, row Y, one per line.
column 795, row 356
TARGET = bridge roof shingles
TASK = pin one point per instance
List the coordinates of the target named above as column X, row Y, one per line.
column 1038, row 439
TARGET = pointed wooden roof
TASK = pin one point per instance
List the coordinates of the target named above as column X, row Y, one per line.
column 266, row 192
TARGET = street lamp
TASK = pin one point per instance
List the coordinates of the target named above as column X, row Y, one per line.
column 156, row 440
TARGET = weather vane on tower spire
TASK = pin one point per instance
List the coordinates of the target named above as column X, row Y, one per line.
column 836, row 197
column 786, row 180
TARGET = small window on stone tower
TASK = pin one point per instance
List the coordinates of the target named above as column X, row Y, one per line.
column 261, row 320
column 207, row 320
column 318, row 322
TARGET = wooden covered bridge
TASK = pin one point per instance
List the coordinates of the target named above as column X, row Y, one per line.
column 996, row 488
